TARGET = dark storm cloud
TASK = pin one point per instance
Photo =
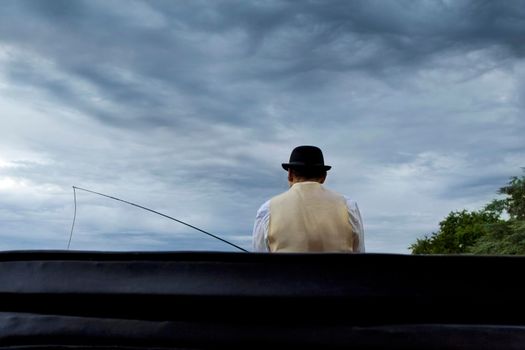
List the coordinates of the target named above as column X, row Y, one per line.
column 83, row 41
column 372, row 35
column 279, row 42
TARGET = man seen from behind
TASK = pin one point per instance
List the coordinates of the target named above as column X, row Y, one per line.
column 308, row 217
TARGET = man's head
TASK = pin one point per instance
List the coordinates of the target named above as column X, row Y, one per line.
column 306, row 164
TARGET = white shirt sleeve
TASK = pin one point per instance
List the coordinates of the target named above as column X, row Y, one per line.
column 357, row 223
column 260, row 228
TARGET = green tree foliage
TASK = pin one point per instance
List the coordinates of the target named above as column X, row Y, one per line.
column 514, row 204
column 483, row 231
column 457, row 232
column 505, row 238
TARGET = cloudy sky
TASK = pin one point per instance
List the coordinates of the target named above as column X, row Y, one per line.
column 190, row 107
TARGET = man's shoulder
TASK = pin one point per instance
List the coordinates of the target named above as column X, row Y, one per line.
column 351, row 203
column 264, row 209
column 281, row 197
column 338, row 195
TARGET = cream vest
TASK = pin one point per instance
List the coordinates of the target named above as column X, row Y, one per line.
column 309, row 218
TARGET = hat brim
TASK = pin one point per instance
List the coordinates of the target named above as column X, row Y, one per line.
column 287, row 166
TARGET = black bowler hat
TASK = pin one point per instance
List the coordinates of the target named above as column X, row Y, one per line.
column 306, row 157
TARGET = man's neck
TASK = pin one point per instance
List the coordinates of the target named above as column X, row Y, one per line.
column 291, row 183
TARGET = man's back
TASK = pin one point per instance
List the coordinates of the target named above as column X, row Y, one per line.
column 309, row 217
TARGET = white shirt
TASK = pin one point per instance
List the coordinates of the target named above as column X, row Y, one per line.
column 261, row 226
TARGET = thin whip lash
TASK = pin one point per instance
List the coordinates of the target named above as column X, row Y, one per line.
column 141, row 207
